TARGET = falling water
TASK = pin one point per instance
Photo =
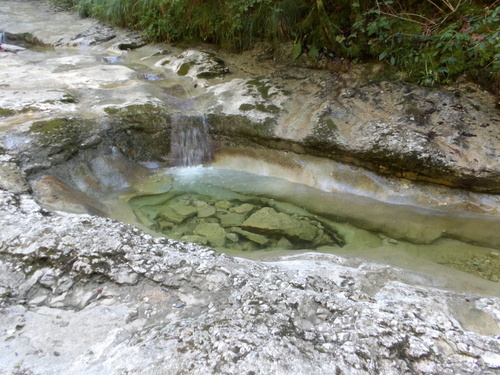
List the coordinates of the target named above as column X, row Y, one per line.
column 191, row 143
column 3, row 40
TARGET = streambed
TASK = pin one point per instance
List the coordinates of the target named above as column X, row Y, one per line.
column 261, row 217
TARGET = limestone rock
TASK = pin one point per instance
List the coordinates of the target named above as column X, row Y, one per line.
column 283, row 243
column 12, row 178
column 195, row 64
column 231, row 219
column 158, row 306
column 202, row 240
column 268, row 220
column 213, row 232
column 177, row 211
column 243, row 208
column 206, row 211
column 257, row 238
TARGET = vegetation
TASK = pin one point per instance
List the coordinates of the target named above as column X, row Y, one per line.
column 430, row 41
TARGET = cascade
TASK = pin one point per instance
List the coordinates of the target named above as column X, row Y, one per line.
column 191, row 143
column 3, row 39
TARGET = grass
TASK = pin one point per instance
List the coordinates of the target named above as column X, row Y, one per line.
column 430, row 42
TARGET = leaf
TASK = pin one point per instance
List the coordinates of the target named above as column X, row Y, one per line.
column 393, row 60
column 313, row 52
column 296, row 50
column 382, row 55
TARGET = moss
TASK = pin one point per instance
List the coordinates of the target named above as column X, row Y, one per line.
column 59, row 139
column 240, row 127
column 50, row 125
column 323, row 134
column 331, row 125
column 5, row 112
column 261, row 87
column 145, row 117
column 184, row 69
column 267, row 108
column 141, row 132
column 246, row 107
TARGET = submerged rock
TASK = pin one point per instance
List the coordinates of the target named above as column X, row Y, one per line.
column 83, row 294
column 205, row 219
column 268, row 220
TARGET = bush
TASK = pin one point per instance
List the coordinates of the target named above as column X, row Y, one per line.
column 430, row 41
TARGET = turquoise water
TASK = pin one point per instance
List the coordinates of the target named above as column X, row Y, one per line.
column 394, row 234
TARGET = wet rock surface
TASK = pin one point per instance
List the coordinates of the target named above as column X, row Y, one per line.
column 81, row 294
column 194, row 64
column 447, row 136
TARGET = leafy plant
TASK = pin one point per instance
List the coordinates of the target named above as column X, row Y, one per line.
column 430, row 41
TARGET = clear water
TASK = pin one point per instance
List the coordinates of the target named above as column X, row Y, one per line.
column 191, row 142
column 401, row 235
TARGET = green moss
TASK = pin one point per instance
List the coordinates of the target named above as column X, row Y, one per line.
column 246, row 107
column 50, row 125
column 145, row 117
column 261, row 87
column 331, row 125
column 4, row 112
column 267, row 108
column 184, row 69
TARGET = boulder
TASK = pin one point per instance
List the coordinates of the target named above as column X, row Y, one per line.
column 213, row 232
column 267, row 220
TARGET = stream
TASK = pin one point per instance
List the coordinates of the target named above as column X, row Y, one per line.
column 369, row 228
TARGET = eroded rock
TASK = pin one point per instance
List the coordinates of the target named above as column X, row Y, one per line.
column 195, row 64
column 110, row 298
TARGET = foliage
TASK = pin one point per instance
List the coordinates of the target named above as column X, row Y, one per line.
column 435, row 48
column 430, row 41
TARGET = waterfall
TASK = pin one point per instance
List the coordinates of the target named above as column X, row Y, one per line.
column 3, row 39
column 191, row 143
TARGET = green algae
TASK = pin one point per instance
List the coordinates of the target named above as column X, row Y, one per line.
column 5, row 112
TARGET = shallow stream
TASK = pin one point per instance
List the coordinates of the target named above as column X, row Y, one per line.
column 214, row 206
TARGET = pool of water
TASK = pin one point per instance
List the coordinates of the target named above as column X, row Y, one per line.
column 240, row 213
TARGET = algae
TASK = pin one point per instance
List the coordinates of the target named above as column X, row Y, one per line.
column 5, row 112
column 184, row 69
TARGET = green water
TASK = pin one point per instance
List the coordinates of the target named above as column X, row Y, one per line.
column 343, row 224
